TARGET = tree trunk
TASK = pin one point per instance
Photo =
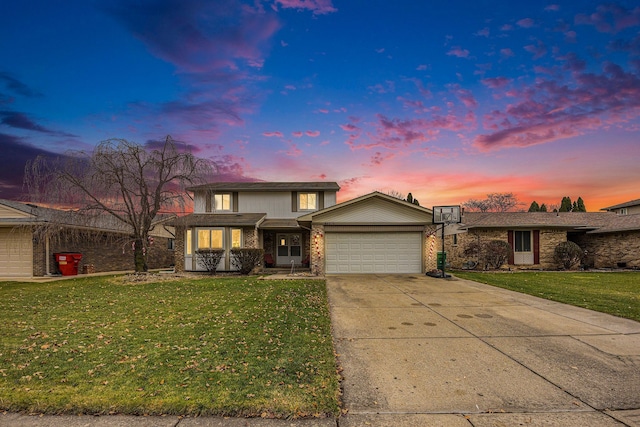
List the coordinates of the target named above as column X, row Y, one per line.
column 140, row 258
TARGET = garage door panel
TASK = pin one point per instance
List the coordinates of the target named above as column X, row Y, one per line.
column 16, row 253
column 389, row 252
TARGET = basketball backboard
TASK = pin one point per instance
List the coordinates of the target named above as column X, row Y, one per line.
column 446, row 214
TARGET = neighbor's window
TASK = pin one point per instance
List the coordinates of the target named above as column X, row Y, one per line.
column 308, row 201
column 522, row 241
column 222, row 202
column 622, row 211
column 210, row 238
column 171, row 244
column 236, row 238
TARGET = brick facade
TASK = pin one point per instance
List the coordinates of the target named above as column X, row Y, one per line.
column 611, row 250
column 100, row 253
column 317, row 250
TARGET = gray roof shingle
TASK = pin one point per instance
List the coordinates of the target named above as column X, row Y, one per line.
column 267, row 186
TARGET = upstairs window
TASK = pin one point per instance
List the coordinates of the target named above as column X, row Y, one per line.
column 308, row 201
column 222, row 202
column 622, row 211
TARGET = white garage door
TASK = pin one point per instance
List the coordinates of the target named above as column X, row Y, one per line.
column 16, row 253
column 374, row 252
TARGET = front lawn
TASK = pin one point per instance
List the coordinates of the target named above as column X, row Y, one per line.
column 616, row 293
column 223, row 346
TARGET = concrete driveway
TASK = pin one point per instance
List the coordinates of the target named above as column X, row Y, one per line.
column 421, row 351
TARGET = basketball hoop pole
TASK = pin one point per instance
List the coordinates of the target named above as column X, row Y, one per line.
column 444, row 259
column 445, row 215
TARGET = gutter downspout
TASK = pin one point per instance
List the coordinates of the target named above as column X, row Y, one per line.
column 46, row 255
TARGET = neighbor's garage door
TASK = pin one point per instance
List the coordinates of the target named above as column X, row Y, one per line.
column 392, row 252
column 16, row 253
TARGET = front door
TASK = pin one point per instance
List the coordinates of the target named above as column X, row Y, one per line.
column 289, row 249
column 523, row 248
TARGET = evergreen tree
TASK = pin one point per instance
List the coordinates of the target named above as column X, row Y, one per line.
column 581, row 206
column 410, row 198
column 416, row 202
column 543, row 208
column 574, row 207
column 565, row 205
column 534, row 207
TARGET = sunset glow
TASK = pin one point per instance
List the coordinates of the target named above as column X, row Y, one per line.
column 448, row 102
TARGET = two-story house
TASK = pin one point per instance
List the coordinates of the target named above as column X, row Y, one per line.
column 252, row 214
column 626, row 208
column 300, row 224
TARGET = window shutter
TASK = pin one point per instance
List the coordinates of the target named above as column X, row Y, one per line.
column 234, row 201
column 320, row 200
column 536, row 246
column 510, row 240
column 207, row 202
column 294, row 201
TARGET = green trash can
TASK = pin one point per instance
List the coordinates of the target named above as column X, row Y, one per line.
column 441, row 260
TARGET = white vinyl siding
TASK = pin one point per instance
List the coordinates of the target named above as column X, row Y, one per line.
column 16, row 253
column 393, row 252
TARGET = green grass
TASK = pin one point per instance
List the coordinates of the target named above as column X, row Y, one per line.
column 616, row 293
column 223, row 346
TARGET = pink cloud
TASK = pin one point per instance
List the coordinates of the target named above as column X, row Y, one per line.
column 466, row 96
column 550, row 110
column 318, row 7
column 506, row 53
column 525, row 23
column 459, row 52
column 496, row 82
column 610, row 18
column 506, row 27
column 271, row 134
column 293, row 151
column 378, row 158
column 297, row 134
column 552, row 8
column 483, row 32
column 313, row 133
column 538, row 50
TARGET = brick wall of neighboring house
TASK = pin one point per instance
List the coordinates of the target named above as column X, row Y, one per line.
column 104, row 253
column 611, row 249
column 549, row 239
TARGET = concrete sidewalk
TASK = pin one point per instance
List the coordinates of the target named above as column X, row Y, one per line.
column 421, row 351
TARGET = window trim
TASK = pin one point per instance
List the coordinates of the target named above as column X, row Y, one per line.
column 229, row 203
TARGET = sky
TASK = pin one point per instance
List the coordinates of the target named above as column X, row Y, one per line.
column 448, row 100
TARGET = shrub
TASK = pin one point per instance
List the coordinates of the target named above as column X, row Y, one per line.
column 568, row 255
column 246, row 259
column 209, row 258
column 497, row 253
column 492, row 254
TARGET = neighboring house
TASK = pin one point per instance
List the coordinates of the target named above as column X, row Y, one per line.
column 300, row 224
column 30, row 235
column 609, row 240
column 626, row 208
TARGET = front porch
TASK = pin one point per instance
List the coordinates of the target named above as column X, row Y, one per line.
column 286, row 248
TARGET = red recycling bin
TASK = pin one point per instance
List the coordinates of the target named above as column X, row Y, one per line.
column 68, row 262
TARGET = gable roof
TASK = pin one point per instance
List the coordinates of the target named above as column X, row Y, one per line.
column 591, row 222
column 267, row 186
column 635, row 202
column 364, row 199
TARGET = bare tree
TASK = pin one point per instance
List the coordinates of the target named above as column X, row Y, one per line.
column 495, row 202
column 126, row 181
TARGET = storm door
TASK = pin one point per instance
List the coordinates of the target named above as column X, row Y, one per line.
column 289, row 249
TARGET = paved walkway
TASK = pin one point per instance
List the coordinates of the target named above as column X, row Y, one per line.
column 421, row 351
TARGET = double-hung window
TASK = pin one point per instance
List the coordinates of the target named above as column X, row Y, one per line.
column 222, row 202
column 308, row 201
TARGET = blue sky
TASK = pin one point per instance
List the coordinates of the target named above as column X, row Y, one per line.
column 447, row 100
